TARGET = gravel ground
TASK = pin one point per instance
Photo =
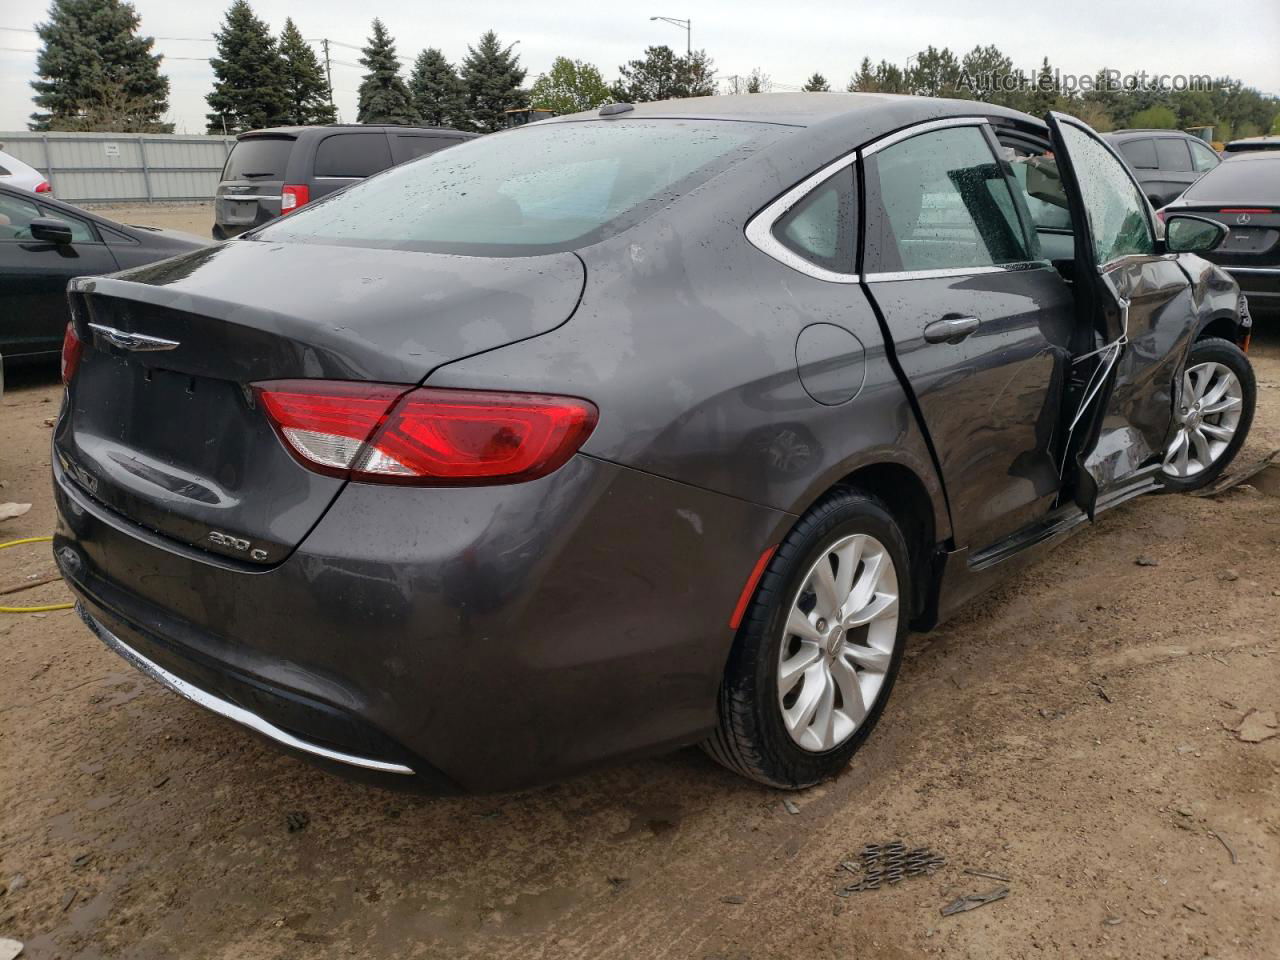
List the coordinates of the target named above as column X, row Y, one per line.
column 1069, row 732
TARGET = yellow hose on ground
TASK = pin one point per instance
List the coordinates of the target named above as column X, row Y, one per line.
column 47, row 607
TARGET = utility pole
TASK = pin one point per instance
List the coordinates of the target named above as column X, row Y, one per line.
column 328, row 70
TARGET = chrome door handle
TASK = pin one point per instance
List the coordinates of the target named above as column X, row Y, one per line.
column 951, row 330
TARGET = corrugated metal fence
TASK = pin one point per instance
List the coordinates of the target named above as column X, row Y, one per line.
column 123, row 167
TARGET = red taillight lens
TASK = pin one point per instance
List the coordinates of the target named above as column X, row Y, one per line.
column 381, row 433
column 43, row 187
column 72, row 348
column 292, row 196
column 1160, row 215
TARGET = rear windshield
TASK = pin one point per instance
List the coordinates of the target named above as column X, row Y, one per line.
column 1240, row 181
column 535, row 190
column 258, row 158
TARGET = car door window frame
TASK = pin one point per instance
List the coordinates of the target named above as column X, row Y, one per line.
column 72, row 219
column 1157, row 235
column 984, row 127
column 760, row 228
column 1197, row 146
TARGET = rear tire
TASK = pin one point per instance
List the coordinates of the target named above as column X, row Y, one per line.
column 840, row 659
column 1218, row 396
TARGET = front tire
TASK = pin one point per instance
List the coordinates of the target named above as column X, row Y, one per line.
column 1219, row 393
column 819, row 647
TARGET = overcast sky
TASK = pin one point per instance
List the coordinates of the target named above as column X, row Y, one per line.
column 787, row 40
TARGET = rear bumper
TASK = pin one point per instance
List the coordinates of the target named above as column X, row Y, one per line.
column 1261, row 287
column 484, row 638
column 232, row 711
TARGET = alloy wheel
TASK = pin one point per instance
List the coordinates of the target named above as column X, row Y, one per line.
column 838, row 642
column 1212, row 401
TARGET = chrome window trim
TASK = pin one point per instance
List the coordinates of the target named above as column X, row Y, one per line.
column 230, row 710
column 760, row 227
column 1267, row 270
column 1017, row 267
column 927, row 127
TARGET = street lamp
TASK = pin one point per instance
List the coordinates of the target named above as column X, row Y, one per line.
column 687, row 25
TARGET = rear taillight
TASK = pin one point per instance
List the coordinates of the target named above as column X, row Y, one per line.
column 382, row 433
column 292, row 196
column 72, row 348
column 1160, row 215
column 43, row 187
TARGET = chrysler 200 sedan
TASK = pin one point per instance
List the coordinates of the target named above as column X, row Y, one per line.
column 631, row 430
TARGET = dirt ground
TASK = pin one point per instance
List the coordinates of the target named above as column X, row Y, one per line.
column 1068, row 732
column 194, row 218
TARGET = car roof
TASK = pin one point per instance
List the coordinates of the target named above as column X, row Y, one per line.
column 1255, row 156
column 873, row 113
column 348, row 127
column 1149, row 132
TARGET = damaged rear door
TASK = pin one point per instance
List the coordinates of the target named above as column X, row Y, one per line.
column 1125, row 371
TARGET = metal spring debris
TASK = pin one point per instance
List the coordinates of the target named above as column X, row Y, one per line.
column 888, row 863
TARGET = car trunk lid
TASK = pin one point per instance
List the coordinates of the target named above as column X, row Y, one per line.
column 168, row 434
column 1255, row 233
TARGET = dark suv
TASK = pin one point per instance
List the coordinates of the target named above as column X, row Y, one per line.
column 1164, row 162
column 272, row 172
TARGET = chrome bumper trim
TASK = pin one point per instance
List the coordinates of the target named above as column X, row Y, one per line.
column 230, row 710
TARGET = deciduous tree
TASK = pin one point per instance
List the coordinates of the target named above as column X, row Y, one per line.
column 569, row 86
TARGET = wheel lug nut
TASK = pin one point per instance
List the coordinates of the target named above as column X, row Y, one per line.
column 822, row 625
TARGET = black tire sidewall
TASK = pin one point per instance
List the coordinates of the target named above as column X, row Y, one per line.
column 759, row 642
column 1229, row 355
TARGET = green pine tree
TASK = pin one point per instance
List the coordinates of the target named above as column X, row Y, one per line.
column 305, row 85
column 816, row 84
column 492, row 75
column 438, row 94
column 96, row 73
column 864, row 81
column 384, row 98
column 248, row 89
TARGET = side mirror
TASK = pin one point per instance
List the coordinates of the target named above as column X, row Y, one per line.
column 1187, row 234
column 49, row 230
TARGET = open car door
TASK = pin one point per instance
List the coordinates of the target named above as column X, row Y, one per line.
column 1137, row 323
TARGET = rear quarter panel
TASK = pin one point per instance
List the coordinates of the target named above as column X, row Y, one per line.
column 686, row 340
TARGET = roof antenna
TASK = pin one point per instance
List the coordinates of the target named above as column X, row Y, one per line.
column 613, row 109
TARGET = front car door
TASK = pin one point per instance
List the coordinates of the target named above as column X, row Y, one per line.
column 1144, row 320
column 980, row 323
column 34, row 274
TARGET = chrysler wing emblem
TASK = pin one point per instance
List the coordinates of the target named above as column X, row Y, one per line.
column 131, row 341
column 1243, row 218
